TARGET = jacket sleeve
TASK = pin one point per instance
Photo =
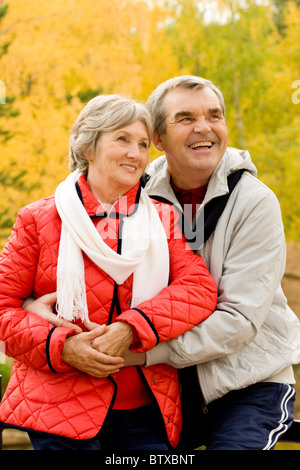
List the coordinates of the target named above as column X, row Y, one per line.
column 253, row 266
column 189, row 299
column 27, row 337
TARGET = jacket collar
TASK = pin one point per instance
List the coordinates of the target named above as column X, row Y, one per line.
column 124, row 207
column 159, row 182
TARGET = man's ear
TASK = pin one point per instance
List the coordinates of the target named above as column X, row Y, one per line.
column 156, row 139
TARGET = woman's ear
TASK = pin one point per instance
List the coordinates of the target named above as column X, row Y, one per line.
column 88, row 155
column 157, row 141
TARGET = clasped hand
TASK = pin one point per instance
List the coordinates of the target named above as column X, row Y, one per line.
column 101, row 351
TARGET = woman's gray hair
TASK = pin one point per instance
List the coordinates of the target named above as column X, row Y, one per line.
column 155, row 102
column 103, row 113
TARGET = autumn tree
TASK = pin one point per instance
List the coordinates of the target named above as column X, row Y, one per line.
column 64, row 52
column 7, row 100
column 241, row 50
column 11, row 176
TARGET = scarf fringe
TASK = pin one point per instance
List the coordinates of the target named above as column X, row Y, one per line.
column 71, row 298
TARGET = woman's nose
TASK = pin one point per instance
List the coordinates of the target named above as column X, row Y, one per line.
column 132, row 154
column 133, row 151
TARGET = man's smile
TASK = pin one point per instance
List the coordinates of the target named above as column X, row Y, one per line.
column 206, row 144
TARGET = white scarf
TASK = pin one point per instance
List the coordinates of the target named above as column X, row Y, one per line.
column 144, row 252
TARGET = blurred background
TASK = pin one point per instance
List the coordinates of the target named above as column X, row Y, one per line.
column 55, row 55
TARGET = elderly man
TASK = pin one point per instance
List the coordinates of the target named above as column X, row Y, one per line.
column 236, row 367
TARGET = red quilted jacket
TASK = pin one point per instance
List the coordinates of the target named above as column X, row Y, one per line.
column 44, row 393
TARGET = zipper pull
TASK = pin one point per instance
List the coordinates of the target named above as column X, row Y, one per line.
column 204, row 409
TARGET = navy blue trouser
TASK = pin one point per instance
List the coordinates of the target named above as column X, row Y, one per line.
column 137, row 429
column 252, row 418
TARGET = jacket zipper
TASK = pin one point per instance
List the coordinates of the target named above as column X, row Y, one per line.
column 154, row 398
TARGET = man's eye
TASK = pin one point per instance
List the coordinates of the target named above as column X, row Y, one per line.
column 214, row 117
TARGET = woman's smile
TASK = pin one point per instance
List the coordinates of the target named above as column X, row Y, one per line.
column 129, row 167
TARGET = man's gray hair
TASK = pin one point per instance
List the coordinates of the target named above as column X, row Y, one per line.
column 102, row 114
column 155, row 102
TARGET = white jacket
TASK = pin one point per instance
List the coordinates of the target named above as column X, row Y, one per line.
column 253, row 335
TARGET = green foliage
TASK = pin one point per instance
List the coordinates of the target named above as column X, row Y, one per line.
column 7, row 111
column 13, row 177
column 5, row 370
column 3, row 10
column 16, row 179
column 85, row 95
column 255, row 67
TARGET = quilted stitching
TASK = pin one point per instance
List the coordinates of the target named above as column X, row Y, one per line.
column 71, row 403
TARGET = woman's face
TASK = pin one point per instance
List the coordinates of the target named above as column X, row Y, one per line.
column 119, row 160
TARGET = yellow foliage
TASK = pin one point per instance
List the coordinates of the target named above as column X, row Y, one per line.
column 64, row 51
column 60, row 49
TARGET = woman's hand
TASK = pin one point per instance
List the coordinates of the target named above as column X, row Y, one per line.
column 134, row 359
column 44, row 308
column 78, row 352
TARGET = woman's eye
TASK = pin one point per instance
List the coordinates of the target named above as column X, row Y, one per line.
column 144, row 145
column 122, row 139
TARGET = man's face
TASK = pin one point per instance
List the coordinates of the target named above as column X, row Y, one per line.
column 196, row 135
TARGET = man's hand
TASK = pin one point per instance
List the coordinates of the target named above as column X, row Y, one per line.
column 44, row 308
column 115, row 341
column 78, row 352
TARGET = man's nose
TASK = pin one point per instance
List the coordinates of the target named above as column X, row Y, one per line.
column 202, row 126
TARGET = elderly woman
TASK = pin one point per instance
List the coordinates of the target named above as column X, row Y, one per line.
column 124, row 279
